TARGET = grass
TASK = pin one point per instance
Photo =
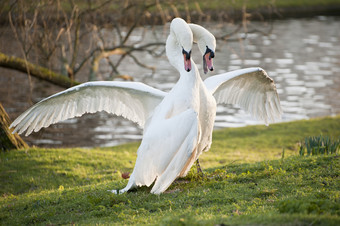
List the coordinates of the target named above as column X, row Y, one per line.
column 247, row 180
column 211, row 5
column 253, row 4
column 319, row 145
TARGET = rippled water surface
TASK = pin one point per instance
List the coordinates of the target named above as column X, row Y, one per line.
column 302, row 56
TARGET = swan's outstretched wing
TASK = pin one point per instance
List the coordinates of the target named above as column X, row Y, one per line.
column 132, row 100
column 250, row 88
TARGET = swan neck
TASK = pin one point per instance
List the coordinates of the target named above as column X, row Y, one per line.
column 190, row 78
column 172, row 51
column 202, row 37
column 179, row 39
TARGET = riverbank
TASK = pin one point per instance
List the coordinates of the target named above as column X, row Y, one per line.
column 249, row 180
column 217, row 10
column 200, row 10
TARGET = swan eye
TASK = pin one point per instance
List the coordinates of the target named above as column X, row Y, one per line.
column 208, row 50
column 187, row 54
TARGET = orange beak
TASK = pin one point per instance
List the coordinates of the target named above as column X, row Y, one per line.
column 187, row 60
column 207, row 62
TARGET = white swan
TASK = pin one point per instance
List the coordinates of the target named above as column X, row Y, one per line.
column 177, row 125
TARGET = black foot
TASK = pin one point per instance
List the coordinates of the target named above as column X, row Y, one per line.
column 199, row 170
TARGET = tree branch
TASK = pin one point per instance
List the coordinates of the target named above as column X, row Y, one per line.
column 43, row 73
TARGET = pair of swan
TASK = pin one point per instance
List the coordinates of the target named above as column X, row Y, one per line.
column 177, row 125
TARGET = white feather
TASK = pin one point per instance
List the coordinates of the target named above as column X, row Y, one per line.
column 251, row 89
column 132, row 100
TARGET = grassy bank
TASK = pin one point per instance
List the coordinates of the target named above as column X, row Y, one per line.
column 229, row 10
column 254, row 4
column 248, row 181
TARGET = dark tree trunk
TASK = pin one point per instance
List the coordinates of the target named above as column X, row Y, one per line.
column 8, row 141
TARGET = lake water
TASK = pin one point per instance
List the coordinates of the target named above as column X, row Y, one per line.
column 302, row 56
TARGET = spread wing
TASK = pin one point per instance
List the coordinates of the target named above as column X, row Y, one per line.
column 250, row 88
column 132, row 100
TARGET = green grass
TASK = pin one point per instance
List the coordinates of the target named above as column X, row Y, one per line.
column 206, row 6
column 317, row 145
column 252, row 4
column 247, row 181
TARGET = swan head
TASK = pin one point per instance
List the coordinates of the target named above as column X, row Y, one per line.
column 187, row 59
column 207, row 60
column 180, row 42
column 206, row 44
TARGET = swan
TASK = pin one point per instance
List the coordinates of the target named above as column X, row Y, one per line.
column 177, row 125
column 250, row 88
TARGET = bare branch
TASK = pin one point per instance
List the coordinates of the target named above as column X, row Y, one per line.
column 141, row 64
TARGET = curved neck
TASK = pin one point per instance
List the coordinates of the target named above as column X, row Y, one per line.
column 175, row 57
column 173, row 53
column 197, row 32
column 180, row 39
column 202, row 37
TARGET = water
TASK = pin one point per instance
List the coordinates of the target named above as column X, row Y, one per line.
column 302, row 56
